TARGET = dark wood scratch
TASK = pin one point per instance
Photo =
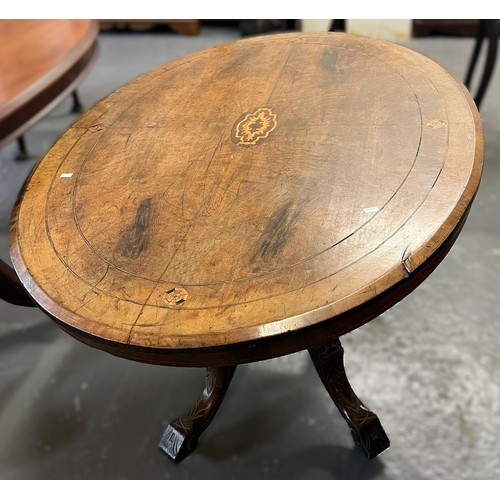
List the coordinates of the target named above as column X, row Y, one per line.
column 98, row 282
column 279, row 76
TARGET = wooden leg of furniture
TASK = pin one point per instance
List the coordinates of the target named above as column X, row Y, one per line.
column 491, row 31
column 11, row 289
column 181, row 436
column 22, row 155
column 365, row 426
column 475, row 54
column 487, row 28
column 77, row 105
column 337, row 25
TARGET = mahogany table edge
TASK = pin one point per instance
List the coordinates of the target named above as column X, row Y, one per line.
column 40, row 98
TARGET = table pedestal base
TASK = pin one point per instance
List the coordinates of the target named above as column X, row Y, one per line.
column 181, row 436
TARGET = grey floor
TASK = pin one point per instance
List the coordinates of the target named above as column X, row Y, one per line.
column 429, row 367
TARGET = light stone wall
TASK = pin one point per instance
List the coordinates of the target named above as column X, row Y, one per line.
column 387, row 29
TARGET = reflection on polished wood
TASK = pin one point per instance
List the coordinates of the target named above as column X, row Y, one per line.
column 42, row 62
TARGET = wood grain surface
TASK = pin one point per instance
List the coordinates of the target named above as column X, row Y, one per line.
column 42, row 62
column 231, row 205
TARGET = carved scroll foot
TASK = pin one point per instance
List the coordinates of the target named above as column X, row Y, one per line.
column 365, row 426
column 181, row 436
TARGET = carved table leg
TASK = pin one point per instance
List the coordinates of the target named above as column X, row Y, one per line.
column 181, row 436
column 365, row 426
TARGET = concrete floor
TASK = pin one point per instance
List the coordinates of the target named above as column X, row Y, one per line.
column 429, row 367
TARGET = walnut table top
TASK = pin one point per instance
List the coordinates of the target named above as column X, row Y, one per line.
column 250, row 200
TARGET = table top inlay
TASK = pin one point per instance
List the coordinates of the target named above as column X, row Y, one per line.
column 246, row 192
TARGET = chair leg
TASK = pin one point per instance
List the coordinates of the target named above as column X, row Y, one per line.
column 491, row 32
column 365, row 426
column 337, row 25
column 475, row 54
column 487, row 28
column 181, row 436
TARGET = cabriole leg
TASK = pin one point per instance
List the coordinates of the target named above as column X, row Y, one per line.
column 365, row 426
column 181, row 436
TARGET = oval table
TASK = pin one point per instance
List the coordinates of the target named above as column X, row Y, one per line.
column 43, row 61
column 249, row 201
